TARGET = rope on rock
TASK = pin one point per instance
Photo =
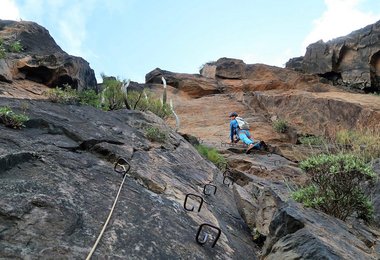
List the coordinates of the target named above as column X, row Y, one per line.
column 113, row 207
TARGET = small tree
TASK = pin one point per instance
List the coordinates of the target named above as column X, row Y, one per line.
column 337, row 185
column 113, row 95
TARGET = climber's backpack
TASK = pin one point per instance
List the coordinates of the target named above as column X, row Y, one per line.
column 242, row 123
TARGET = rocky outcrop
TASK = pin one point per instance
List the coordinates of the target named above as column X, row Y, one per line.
column 224, row 68
column 193, row 85
column 58, row 184
column 294, row 232
column 41, row 60
column 352, row 60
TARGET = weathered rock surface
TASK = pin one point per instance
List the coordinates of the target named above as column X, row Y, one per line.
column 351, row 60
column 41, row 59
column 192, row 84
column 58, row 185
column 294, row 232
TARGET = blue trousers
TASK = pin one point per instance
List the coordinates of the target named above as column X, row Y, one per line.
column 245, row 135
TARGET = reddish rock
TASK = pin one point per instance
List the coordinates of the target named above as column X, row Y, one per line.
column 41, row 59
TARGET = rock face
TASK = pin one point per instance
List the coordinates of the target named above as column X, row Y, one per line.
column 351, row 60
column 193, row 85
column 294, row 232
column 41, row 59
column 224, row 68
column 58, row 185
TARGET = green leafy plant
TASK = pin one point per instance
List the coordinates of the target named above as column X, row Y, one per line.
column 16, row 47
column 113, row 95
column 145, row 101
column 67, row 95
column 71, row 96
column 89, row 98
column 11, row 119
column 212, row 155
column 154, row 134
column 338, row 184
column 280, row 126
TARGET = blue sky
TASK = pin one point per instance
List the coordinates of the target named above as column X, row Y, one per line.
column 129, row 38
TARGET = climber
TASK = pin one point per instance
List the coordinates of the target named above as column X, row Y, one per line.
column 241, row 133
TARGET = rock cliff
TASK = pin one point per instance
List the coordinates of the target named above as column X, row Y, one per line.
column 58, row 179
column 38, row 58
column 352, row 60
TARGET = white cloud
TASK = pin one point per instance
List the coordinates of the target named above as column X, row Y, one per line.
column 340, row 18
column 9, row 10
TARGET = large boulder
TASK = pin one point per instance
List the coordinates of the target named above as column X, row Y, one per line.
column 41, row 59
column 194, row 85
column 351, row 60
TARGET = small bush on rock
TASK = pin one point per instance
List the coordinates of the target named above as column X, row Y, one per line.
column 11, row 119
column 212, row 155
column 71, row 96
column 16, row 47
column 280, row 126
column 154, row 134
column 338, row 184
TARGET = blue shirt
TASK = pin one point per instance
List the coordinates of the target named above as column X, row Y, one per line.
column 234, row 127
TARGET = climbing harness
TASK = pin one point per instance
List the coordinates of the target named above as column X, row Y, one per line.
column 119, row 168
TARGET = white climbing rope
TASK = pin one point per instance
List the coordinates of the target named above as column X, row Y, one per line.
column 109, row 217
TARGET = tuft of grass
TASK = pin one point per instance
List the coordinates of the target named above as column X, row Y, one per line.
column 12, row 119
column 363, row 143
column 154, row 134
column 212, row 155
column 71, row 96
column 280, row 126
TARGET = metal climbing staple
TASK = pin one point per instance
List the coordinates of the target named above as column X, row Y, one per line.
column 230, row 180
column 209, row 185
column 277, row 162
column 193, row 195
column 120, row 166
column 204, row 239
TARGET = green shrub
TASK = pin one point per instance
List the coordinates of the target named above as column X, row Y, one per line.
column 154, row 134
column 280, row 126
column 212, row 155
column 16, row 47
column 146, row 102
column 311, row 140
column 71, row 96
column 89, row 98
column 11, row 119
column 67, row 95
column 337, row 185
column 113, row 96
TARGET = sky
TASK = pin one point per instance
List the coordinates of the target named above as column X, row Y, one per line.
column 129, row 38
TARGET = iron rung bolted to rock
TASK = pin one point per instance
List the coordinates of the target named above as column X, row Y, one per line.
column 230, row 180
column 204, row 240
column 209, row 185
column 122, row 166
column 193, row 195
